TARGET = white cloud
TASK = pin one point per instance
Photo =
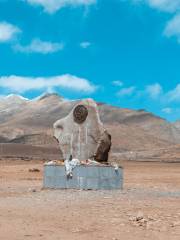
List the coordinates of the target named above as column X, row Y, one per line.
column 117, row 83
column 173, row 28
column 154, row 90
column 20, row 84
column 126, row 91
column 85, row 44
column 52, row 6
column 165, row 5
column 162, row 5
column 173, row 6
column 8, row 31
column 167, row 110
column 38, row 46
column 174, row 94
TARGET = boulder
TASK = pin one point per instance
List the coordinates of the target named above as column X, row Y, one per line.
column 82, row 135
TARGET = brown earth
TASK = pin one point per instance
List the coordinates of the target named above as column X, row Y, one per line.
column 17, row 151
column 147, row 208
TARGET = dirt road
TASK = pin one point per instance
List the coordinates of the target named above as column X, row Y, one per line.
column 147, row 208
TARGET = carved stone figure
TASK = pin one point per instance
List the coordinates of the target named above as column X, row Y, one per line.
column 81, row 134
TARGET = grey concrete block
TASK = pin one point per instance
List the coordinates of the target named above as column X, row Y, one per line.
column 84, row 177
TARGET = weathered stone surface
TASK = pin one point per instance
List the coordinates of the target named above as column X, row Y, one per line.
column 82, row 135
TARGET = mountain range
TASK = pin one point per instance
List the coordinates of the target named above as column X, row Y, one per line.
column 136, row 134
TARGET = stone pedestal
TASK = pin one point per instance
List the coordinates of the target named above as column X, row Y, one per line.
column 84, row 177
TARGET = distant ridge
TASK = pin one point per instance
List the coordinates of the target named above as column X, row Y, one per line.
column 15, row 96
column 46, row 95
column 30, row 122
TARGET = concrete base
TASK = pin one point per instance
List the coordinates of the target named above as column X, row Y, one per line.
column 84, row 177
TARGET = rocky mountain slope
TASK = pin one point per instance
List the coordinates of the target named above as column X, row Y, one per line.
column 24, row 121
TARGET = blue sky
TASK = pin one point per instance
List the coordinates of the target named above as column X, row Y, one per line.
column 122, row 52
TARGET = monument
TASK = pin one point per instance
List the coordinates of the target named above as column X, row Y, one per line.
column 85, row 145
column 81, row 134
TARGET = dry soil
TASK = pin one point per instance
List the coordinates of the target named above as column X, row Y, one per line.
column 147, row 208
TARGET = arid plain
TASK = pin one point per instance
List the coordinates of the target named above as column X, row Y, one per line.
column 147, row 208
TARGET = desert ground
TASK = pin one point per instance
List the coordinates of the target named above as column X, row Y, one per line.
column 147, row 208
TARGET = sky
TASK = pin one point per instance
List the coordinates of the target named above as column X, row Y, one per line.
column 122, row 52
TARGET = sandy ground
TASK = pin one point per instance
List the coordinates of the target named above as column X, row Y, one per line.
column 147, row 208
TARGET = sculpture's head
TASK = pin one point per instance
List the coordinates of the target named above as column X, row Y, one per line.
column 80, row 114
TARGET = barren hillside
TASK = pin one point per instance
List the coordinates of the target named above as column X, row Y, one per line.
column 30, row 122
